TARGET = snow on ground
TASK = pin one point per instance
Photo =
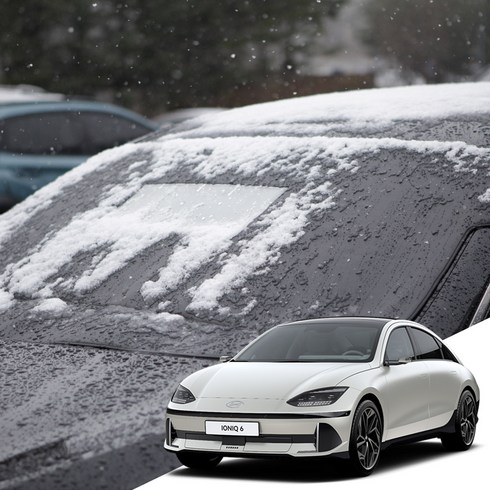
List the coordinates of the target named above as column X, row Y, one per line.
column 419, row 465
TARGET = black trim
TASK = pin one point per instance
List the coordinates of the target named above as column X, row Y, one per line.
column 449, row 265
column 327, row 438
column 239, row 415
column 241, row 441
column 99, row 345
column 335, row 456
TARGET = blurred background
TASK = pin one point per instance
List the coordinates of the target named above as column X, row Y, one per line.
column 154, row 56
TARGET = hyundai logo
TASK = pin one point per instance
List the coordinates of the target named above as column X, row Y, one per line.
column 234, row 404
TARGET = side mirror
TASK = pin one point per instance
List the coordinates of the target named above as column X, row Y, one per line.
column 225, row 358
column 403, row 360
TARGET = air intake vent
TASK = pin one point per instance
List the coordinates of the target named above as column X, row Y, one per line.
column 326, row 438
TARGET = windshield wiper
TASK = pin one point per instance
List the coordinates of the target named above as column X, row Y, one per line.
column 98, row 345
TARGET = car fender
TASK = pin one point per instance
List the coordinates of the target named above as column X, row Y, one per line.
column 368, row 383
column 469, row 381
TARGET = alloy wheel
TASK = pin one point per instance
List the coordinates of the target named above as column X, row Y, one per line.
column 468, row 419
column 368, row 438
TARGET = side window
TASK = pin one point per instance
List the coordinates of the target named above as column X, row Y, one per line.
column 399, row 346
column 42, row 134
column 105, row 130
column 426, row 345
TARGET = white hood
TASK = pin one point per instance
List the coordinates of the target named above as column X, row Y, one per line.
column 272, row 380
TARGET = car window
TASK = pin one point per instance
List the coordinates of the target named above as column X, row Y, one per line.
column 316, row 342
column 426, row 345
column 42, row 134
column 399, row 346
column 104, row 130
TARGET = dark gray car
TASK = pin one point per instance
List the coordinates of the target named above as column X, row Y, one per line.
column 164, row 254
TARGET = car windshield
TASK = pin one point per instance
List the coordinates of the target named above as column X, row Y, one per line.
column 316, row 342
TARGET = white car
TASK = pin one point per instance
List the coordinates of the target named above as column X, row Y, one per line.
column 337, row 386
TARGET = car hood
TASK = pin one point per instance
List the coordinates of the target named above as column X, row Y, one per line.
column 271, row 380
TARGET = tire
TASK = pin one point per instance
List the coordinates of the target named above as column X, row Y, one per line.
column 199, row 461
column 365, row 439
column 465, row 424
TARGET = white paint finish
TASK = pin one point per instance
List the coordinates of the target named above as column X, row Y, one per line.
column 406, row 398
column 261, row 381
column 407, row 470
column 414, row 397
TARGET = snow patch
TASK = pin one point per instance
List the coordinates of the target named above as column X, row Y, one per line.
column 485, row 197
column 6, row 299
column 281, row 227
column 363, row 108
column 170, row 317
column 50, row 305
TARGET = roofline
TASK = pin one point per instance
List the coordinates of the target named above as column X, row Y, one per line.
column 334, row 318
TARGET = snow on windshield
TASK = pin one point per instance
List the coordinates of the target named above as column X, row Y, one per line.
column 132, row 216
column 206, row 216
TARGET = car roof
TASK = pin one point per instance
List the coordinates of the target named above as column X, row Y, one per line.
column 446, row 112
column 341, row 320
column 32, row 107
column 359, row 224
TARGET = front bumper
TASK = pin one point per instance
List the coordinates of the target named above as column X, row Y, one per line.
column 279, row 434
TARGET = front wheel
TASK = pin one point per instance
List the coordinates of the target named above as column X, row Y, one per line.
column 365, row 439
column 465, row 425
column 199, row 461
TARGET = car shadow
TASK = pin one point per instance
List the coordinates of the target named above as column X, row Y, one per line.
column 315, row 470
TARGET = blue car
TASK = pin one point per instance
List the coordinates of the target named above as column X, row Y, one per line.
column 41, row 140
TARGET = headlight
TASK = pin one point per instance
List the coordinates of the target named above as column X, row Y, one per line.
column 182, row 395
column 318, row 398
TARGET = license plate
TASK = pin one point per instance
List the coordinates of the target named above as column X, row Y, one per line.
column 232, row 428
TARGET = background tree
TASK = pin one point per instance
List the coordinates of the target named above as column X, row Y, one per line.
column 154, row 53
column 436, row 39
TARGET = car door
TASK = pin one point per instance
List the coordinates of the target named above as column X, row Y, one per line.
column 443, row 378
column 406, row 392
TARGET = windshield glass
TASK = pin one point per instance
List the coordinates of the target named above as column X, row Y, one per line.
column 316, row 342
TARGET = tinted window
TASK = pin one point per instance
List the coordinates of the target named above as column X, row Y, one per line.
column 315, row 342
column 107, row 130
column 427, row 346
column 42, row 134
column 399, row 346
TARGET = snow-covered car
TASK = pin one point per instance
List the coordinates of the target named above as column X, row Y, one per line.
column 152, row 259
column 336, row 386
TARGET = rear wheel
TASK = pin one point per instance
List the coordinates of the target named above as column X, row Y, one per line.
column 199, row 461
column 465, row 424
column 365, row 439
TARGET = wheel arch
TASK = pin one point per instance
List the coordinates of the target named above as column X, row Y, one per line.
column 472, row 391
column 372, row 397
